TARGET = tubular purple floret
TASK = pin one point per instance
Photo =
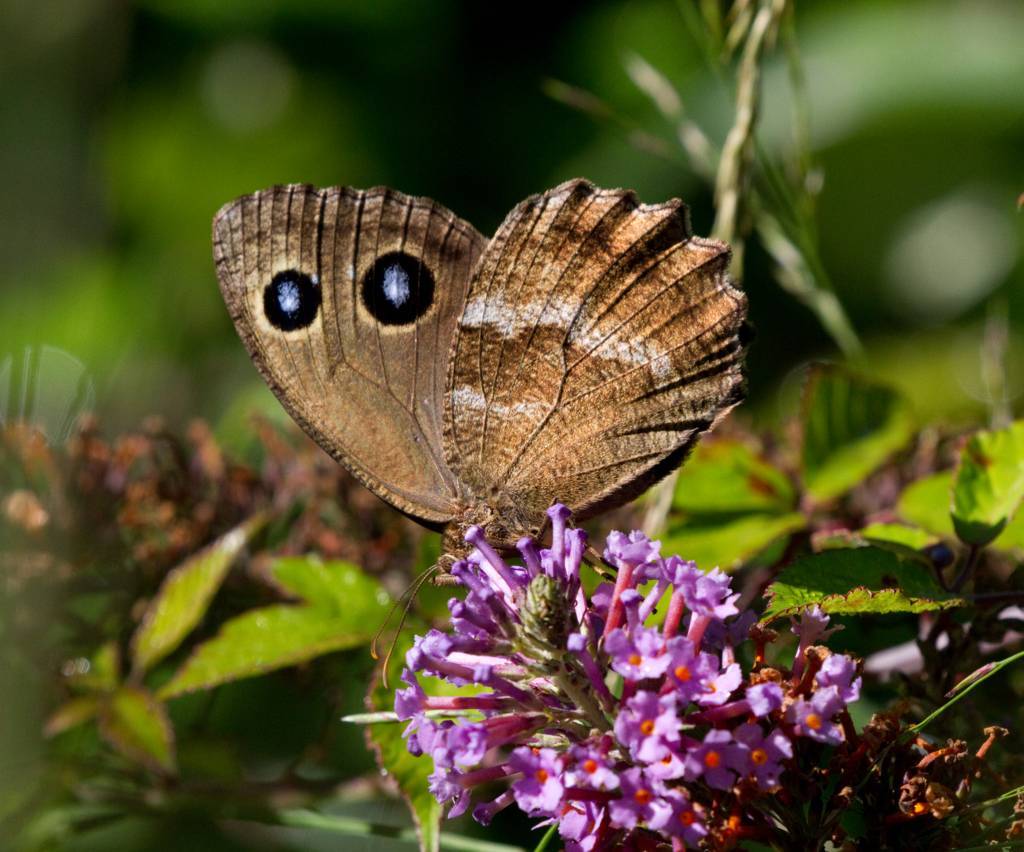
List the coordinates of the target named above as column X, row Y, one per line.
column 559, row 514
column 505, row 579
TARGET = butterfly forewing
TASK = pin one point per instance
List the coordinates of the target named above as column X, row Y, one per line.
column 599, row 339
column 347, row 301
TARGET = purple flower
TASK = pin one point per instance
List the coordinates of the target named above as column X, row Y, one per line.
column 688, row 671
column 670, row 766
column 764, row 698
column 444, row 784
column 639, row 802
column 409, row 702
column 718, row 688
column 718, row 759
column 633, row 549
column 609, row 769
column 648, row 724
column 679, row 818
column 467, row 744
column 540, row 790
column 580, row 825
column 838, row 670
column 811, row 630
column 638, row 654
column 766, row 752
column 814, row 718
column 708, row 595
column 811, row 627
column 590, row 768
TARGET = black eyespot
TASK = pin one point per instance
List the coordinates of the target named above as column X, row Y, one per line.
column 291, row 300
column 398, row 289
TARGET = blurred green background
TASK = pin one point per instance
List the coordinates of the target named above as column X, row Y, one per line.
column 125, row 125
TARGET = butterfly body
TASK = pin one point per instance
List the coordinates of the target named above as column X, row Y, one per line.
column 577, row 355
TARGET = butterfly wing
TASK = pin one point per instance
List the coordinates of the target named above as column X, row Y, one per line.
column 347, row 302
column 598, row 341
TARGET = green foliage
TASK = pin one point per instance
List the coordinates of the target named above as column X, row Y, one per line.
column 136, row 724
column 928, row 503
column 729, row 541
column 731, row 504
column 858, row 581
column 342, row 608
column 728, row 476
column 989, row 484
column 912, row 537
column 850, row 426
column 185, row 595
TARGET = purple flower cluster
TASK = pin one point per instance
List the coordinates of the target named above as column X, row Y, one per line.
column 625, row 728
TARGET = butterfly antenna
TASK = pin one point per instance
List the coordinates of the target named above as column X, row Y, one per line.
column 405, row 601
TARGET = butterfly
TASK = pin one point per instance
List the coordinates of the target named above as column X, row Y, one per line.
column 577, row 355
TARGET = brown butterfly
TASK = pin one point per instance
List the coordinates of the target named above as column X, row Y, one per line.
column 576, row 356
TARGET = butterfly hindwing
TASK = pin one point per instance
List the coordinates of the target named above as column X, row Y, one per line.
column 599, row 339
column 347, row 301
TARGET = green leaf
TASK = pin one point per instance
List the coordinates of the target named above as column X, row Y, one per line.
column 71, row 714
column 850, row 427
column 410, row 773
column 185, row 595
column 858, row 580
column 729, row 541
column 989, row 484
column 344, row 611
column 913, row 537
column 927, row 503
column 728, row 476
column 134, row 722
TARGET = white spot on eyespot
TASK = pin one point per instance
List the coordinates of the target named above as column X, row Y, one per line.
column 316, row 280
column 396, row 285
column 288, row 296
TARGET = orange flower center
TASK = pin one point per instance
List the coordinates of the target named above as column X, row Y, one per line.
column 647, row 727
column 590, row 766
column 642, row 796
column 542, row 775
column 759, row 756
column 687, row 818
column 635, row 659
column 712, row 759
column 682, row 673
column 813, row 721
column 667, row 759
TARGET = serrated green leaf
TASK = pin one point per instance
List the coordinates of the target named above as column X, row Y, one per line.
column 849, row 428
column 274, row 637
column 989, row 484
column 728, row 476
column 411, row 774
column 857, row 580
column 134, row 722
column 729, row 541
column 912, row 537
column 185, row 595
